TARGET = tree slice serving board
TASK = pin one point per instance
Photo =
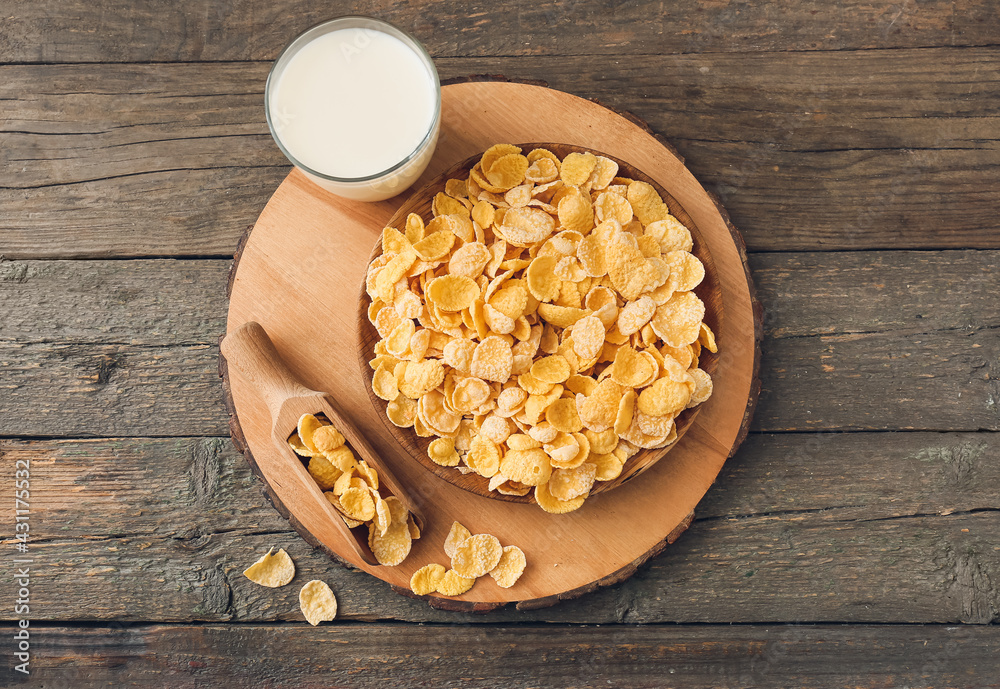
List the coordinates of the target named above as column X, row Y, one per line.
column 299, row 271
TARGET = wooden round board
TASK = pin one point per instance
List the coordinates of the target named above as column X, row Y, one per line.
column 419, row 202
column 299, row 270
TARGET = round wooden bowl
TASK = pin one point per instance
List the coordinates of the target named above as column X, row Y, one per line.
column 710, row 292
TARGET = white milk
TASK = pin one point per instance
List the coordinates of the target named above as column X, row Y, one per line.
column 353, row 103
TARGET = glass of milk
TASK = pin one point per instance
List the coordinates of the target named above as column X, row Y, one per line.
column 355, row 104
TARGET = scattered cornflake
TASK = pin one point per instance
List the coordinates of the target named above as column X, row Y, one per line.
column 426, row 579
column 477, row 556
column 317, row 602
column 509, row 568
column 456, row 537
column 272, row 570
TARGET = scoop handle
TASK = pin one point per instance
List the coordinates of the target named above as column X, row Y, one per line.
column 250, row 351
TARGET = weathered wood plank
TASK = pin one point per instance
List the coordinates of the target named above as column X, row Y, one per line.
column 90, row 121
column 818, row 151
column 903, row 292
column 142, row 302
column 157, row 302
column 794, row 103
column 935, row 380
column 880, row 340
column 171, row 160
column 760, row 570
column 712, row 657
column 942, row 380
column 164, row 212
column 134, row 487
column 146, row 31
column 180, row 488
column 808, row 102
column 74, row 390
column 862, row 476
column 803, row 527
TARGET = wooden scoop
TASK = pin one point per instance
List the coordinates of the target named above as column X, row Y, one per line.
column 250, row 351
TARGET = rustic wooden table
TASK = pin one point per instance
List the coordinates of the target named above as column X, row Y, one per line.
column 851, row 542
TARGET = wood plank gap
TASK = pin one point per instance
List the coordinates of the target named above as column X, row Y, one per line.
column 512, row 56
column 484, row 622
column 142, row 173
column 212, row 436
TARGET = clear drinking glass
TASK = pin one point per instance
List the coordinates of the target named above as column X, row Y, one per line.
column 399, row 174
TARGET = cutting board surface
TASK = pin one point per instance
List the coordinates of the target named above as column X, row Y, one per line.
column 299, row 272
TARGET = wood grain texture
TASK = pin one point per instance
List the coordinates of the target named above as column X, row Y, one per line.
column 112, row 389
column 877, row 292
column 158, row 302
column 881, row 476
column 148, row 302
column 907, row 322
column 764, row 569
column 948, row 380
column 375, row 656
column 806, row 527
column 927, row 380
column 146, row 31
column 845, row 126
column 846, row 150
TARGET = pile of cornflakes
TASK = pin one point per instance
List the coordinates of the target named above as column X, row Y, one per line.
column 541, row 326
column 471, row 557
column 351, row 486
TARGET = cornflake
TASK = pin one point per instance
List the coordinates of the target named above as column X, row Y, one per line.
column 272, row 570
column 317, row 602
column 540, row 327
